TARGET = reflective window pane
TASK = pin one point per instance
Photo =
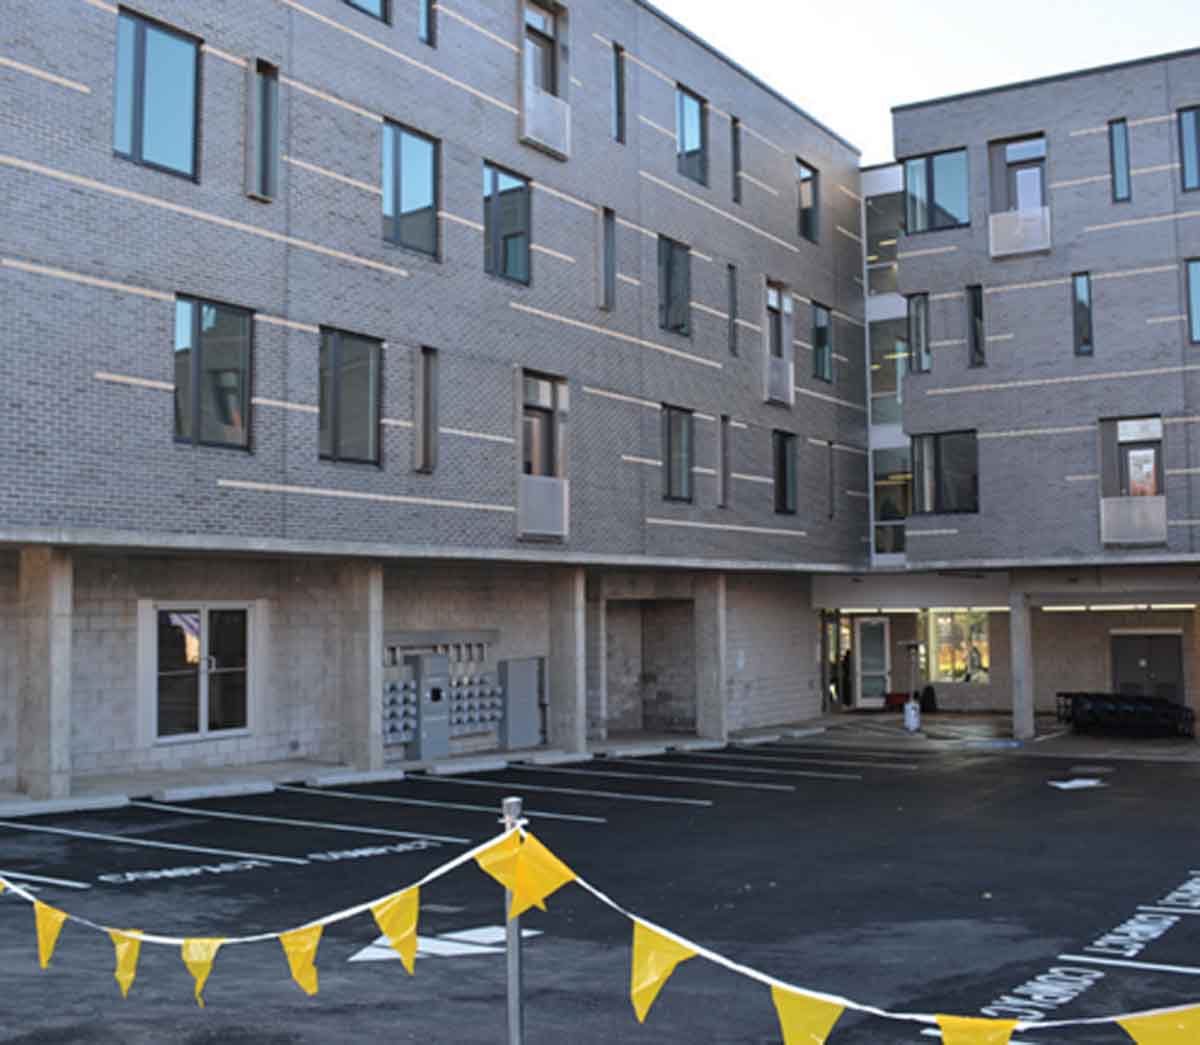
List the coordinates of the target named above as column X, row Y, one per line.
column 169, row 102
column 809, row 191
column 1189, row 147
column 958, row 473
column 506, row 224
column 538, row 441
column 179, row 644
column 691, row 136
column 358, row 399
column 227, row 669
column 784, row 452
column 1193, row 274
column 390, row 135
column 184, row 326
column 916, row 190
column 1082, row 301
column 326, row 395
column 223, row 375
column 950, row 189
column 123, row 100
column 378, row 8
column 674, row 285
column 889, row 364
column 822, row 334
column 678, row 453
column 1118, row 146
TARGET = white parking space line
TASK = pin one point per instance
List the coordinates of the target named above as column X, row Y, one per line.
column 145, row 843
column 426, row 804
column 64, row 882
column 919, row 758
column 498, row 786
column 860, row 763
column 747, row 785
column 288, row 822
column 1151, row 909
column 717, row 767
column 1187, row 970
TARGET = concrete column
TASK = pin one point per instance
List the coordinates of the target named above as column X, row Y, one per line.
column 708, row 643
column 360, row 698
column 1020, row 622
column 597, row 662
column 566, row 672
column 46, row 593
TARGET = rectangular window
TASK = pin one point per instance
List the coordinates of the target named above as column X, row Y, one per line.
column 541, row 47
column 1081, row 302
column 202, row 669
column 976, row 331
column 427, row 22
column 506, row 224
column 375, row 8
column 775, row 320
column 1189, row 147
column 678, row 453
column 935, row 191
column 691, row 135
column 783, row 447
column 958, row 646
column 1118, row 156
column 920, row 357
column 808, row 183
column 831, row 471
column 735, row 152
column 1025, row 173
column 946, row 473
column 1131, row 457
column 608, row 259
column 674, row 286
column 425, row 406
column 1193, row 292
column 212, row 373
column 156, row 106
column 349, row 397
column 888, row 340
column 262, row 132
column 822, row 341
column 618, row 98
column 892, row 476
column 723, row 464
column 541, row 440
column 410, row 189
column 731, row 287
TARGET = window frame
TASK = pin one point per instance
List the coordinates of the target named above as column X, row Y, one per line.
column 608, row 259
column 775, row 346
column 138, row 95
column 1088, row 347
column 385, row 18
column 398, row 131
column 549, row 416
column 687, row 476
column 335, row 456
column 196, row 361
column 939, row 506
column 497, row 240
column 1191, row 280
column 619, row 97
column 724, row 462
column 735, row 156
column 976, row 326
column 426, row 374
column 731, row 303
column 427, row 28
column 1123, row 452
column 1194, row 111
column 673, row 248
column 541, row 37
column 822, row 353
column 682, row 93
column 931, row 190
column 810, row 229
column 926, row 355
column 1113, row 166
column 783, row 460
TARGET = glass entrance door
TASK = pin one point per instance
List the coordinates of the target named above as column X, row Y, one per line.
column 872, row 648
column 203, row 668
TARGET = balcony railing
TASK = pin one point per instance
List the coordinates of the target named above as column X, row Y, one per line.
column 543, row 507
column 1133, row 520
column 781, row 380
column 546, row 121
column 1019, row 232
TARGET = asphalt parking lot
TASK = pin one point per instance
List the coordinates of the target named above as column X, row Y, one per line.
column 957, row 882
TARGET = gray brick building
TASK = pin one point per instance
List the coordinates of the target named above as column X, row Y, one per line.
column 341, row 332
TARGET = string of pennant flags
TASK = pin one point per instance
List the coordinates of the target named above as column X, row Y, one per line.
column 532, row 873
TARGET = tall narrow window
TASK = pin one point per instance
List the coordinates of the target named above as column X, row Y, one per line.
column 1118, row 155
column 723, row 463
column 1025, row 171
column 212, row 373
column 506, row 224
column 831, row 466
column 674, row 286
column 808, row 183
column 976, row 331
column 541, row 439
column 735, row 152
column 691, row 135
column 427, row 22
column 541, row 47
column 946, row 472
column 920, row 358
column 1193, row 292
column 156, row 107
column 731, row 291
column 380, row 9
column 262, row 132
column 783, row 445
column 349, row 397
column 775, row 319
column 618, row 96
column 608, row 259
column 678, row 453
column 822, row 335
column 935, row 191
column 425, row 405
column 1081, row 300
column 1189, row 147
column 410, row 189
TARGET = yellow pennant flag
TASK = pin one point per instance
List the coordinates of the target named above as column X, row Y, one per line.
column 49, row 922
column 1166, row 1028
column 128, row 945
column 539, row 873
column 804, row 1020
column 500, row 861
column 397, row 920
column 961, row 1030
column 198, row 956
column 3, row 885
column 654, row 959
column 300, row 946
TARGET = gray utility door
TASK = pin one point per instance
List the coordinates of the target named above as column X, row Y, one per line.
column 1148, row 665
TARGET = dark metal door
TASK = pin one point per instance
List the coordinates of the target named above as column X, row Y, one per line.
column 1148, row 666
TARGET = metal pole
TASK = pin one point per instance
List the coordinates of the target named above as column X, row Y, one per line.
column 511, row 808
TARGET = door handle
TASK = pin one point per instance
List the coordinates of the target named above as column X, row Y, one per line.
column 210, row 664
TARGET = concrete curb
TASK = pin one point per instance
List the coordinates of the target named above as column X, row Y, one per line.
column 699, row 745
column 800, row 734
column 554, row 758
column 467, row 765
column 762, row 738
column 634, row 750
column 233, row 789
column 46, row 807
column 343, row 777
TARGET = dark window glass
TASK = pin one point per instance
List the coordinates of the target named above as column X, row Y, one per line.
column 349, row 397
column 889, row 363
column 178, row 672
column 226, row 670
column 1189, row 147
column 678, row 453
column 540, row 48
column 1081, row 300
column 731, row 277
column 425, row 399
column 976, row 334
column 723, row 463
column 539, row 434
column 920, row 358
column 936, row 191
column 506, row 234
column 674, row 285
column 212, row 373
column 893, row 498
column 809, row 185
column 735, row 151
column 266, row 137
column 1118, row 152
column 203, row 661
column 410, row 189
column 155, row 103
column 822, row 334
column 775, row 319
column 376, row 8
column 946, row 472
column 618, row 99
column 691, row 135
column 784, row 451
column 609, row 287
column 427, row 22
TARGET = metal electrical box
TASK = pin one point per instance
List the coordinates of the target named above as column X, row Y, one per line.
column 431, row 677
column 521, row 726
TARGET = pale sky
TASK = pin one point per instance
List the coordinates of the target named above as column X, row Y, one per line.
column 847, row 63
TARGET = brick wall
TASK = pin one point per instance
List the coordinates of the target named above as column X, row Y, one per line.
column 10, row 647
column 624, row 660
column 669, row 666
